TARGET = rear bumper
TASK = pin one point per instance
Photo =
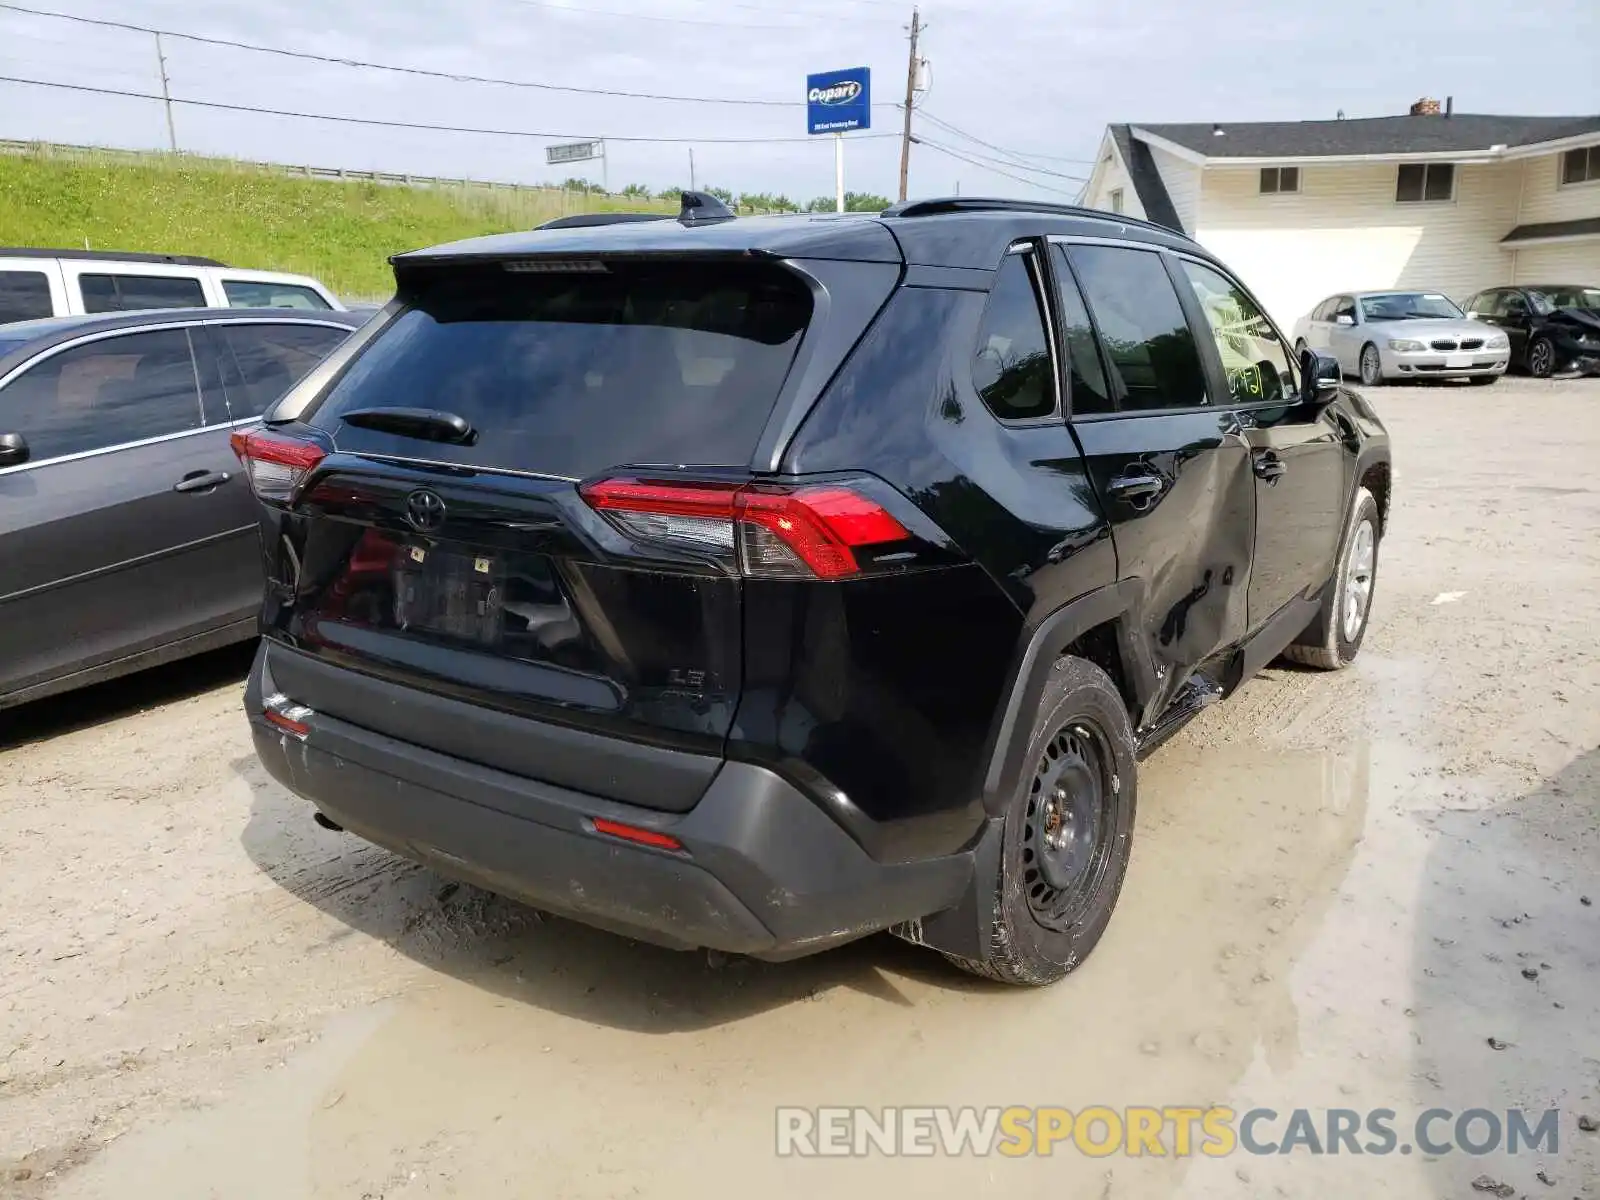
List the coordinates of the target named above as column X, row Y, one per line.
column 763, row 870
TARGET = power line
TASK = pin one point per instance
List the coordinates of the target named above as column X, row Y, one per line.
column 423, row 72
column 1026, row 167
column 375, row 121
column 943, row 124
column 922, row 141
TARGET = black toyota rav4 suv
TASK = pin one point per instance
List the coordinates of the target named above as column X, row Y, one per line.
column 758, row 584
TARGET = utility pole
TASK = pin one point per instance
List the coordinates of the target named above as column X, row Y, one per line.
column 166, row 96
column 691, row 169
column 911, row 91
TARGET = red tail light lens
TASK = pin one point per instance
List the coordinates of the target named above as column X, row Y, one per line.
column 806, row 532
column 632, row 833
column 277, row 464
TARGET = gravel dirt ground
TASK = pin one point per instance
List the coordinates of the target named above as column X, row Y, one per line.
column 1340, row 888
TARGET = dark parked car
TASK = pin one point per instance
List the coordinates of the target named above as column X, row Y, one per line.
column 1553, row 326
column 127, row 537
column 758, row 584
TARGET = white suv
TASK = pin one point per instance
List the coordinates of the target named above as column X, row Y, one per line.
column 59, row 283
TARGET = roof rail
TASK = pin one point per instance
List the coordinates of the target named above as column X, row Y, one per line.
column 941, row 205
column 579, row 220
column 177, row 260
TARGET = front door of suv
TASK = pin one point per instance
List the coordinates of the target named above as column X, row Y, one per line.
column 1166, row 457
column 1297, row 452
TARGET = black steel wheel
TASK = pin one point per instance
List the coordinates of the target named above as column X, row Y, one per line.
column 1065, row 850
column 1066, row 834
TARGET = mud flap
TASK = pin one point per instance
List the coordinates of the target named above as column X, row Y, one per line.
column 966, row 929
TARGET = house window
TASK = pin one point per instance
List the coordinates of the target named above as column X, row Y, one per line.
column 1116, row 200
column 1581, row 166
column 1419, row 182
column 1275, row 180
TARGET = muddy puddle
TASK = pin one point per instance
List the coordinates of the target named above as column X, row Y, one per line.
column 557, row 1061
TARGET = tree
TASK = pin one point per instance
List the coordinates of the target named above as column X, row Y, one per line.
column 722, row 194
column 820, row 204
column 579, row 185
column 671, row 193
column 636, row 191
column 865, row 202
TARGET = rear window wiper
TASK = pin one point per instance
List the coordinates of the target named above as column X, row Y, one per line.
column 425, row 424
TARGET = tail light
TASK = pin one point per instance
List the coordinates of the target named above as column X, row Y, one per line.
column 774, row 532
column 276, row 464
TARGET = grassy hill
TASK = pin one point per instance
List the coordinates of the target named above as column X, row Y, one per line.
column 250, row 216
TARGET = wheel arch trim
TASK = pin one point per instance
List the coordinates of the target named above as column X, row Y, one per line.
column 1045, row 641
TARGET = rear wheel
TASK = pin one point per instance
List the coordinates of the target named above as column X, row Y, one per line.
column 1371, row 366
column 1541, row 358
column 1334, row 638
column 1067, row 835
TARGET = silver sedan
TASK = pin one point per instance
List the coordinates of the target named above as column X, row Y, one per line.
column 1380, row 336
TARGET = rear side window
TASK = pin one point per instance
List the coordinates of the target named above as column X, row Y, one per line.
column 653, row 363
column 1090, row 391
column 251, row 294
column 270, row 359
column 103, row 393
column 24, row 296
column 1150, row 349
column 124, row 293
column 1011, row 368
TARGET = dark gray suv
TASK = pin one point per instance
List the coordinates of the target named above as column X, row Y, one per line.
column 127, row 537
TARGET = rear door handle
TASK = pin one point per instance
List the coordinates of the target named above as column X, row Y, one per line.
column 1138, row 488
column 1268, row 466
column 201, row 481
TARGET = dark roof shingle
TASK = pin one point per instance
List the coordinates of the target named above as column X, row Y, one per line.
column 1147, row 182
column 1460, row 133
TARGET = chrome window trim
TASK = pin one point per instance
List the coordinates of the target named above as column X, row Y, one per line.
column 125, row 331
column 403, row 461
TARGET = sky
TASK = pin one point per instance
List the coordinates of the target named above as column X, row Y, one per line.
column 1027, row 85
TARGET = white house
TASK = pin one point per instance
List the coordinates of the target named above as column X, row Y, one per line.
column 1445, row 201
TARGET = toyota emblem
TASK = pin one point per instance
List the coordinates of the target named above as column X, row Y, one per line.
column 425, row 511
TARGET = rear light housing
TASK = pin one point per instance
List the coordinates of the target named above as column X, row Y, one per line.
column 276, row 463
column 771, row 531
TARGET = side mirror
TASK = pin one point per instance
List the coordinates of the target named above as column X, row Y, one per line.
column 1344, row 319
column 13, row 449
column 1321, row 377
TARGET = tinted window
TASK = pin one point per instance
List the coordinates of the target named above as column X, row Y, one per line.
column 270, row 359
column 1152, row 355
column 1255, row 362
column 122, row 293
column 1090, row 392
column 118, row 389
column 642, row 363
column 1011, row 368
column 249, row 294
column 24, row 296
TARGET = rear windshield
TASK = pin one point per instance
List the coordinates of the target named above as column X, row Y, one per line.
column 675, row 363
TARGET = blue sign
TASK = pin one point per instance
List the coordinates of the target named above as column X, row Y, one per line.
column 839, row 100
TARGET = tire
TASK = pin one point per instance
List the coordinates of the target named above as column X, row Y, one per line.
column 1329, row 642
column 1541, row 358
column 1371, row 366
column 1082, row 748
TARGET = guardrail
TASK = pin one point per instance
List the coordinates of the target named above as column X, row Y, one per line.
column 391, row 178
